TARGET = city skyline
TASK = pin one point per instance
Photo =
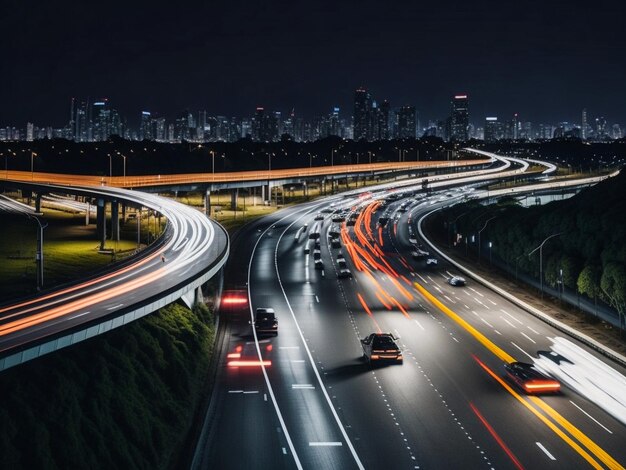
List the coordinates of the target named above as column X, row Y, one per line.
column 368, row 119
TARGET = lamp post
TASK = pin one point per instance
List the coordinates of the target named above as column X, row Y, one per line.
column 212, row 152
column 32, row 172
column 490, row 245
column 110, row 167
column 332, row 164
column 480, row 231
column 540, row 248
column 39, row 254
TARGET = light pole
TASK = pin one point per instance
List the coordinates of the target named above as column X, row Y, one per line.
column 212, row 152
column 39, row 254
column 540, row 248
column 332, row 164
column 490, row 245
column 110, row 167
column 32, row 173
column 480, row 231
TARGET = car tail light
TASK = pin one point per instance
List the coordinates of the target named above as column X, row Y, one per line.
column 542, row 386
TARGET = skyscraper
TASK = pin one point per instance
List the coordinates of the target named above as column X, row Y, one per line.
column 362, row 111
column 145, row 131
column 492, row 129
column 406, row 122
column 460, row 118
column 584, row 129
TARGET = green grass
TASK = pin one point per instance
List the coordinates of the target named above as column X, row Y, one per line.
column 71, row 250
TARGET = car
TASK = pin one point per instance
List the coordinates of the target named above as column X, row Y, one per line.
column 381, row 347
column 431, row 262
column 382, row 221
column 307, row 247
column 341, row 262
column 418, row 254
column 457, row 281
column 319, row 264
column 338, row 218
column 265, row 321
column 529, row 379
column 350, row 222
column 413, row 240
column 335, row 243
column 344, row 273
column 319, row 216
column 334, row 231
column 317, row 254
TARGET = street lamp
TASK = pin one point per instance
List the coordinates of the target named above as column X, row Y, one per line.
column 212, row 152
column 32, row 173
column 490, row 245
column 39, row 254
column 480, row 231
column 540, row 248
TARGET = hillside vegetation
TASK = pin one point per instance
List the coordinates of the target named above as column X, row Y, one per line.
column 122, row 400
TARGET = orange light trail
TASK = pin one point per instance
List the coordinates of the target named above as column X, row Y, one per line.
column 498, row 439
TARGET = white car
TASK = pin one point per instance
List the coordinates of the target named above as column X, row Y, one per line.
column 432, row 262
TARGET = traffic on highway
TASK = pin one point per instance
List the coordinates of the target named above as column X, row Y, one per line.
column 349, row 342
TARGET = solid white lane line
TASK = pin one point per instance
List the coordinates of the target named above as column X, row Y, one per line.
column 325, row 444
column 528, row 338
column 592, row 418
column 508, row 314
column 420, row 325
column 550, row 456
column 355, row 456
column 522, row 350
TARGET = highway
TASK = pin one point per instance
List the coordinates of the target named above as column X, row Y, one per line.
column 307, row 399
column 191, row 245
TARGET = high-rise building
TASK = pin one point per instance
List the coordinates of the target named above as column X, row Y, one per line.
column 617, row 131
column 584, row 127
column 383, row 123
column 460, row 118
column 362, row 112
column 406, row 122
column 492, row 129
column 102, row 120
column 83, row 130
column 145, row 129
column 29, row 132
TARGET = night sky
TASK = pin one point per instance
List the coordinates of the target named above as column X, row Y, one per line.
column 543, row 59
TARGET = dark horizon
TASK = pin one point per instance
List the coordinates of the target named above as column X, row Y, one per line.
column 544, row 61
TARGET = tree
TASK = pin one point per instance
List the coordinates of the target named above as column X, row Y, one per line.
column 613, row 285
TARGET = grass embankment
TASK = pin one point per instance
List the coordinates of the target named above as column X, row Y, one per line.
column 122, row 400
column 70, row 251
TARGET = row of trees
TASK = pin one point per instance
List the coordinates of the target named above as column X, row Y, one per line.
column 587, row 253
column 122, row 400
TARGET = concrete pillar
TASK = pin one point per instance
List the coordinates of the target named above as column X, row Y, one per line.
column 138, row 217
column 115, row 221
column 263, row 192
column 38, row 203
column 207, row 202
column 87, row 213
column 101, row 228
column 123, row 212
column 234, row 194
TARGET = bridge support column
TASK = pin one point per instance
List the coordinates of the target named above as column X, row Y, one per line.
column 38, row 203
column 87, row 213
column 207, row 202
column 123, row 212
column 115, row 221
column 234, row 195
column 101, row 222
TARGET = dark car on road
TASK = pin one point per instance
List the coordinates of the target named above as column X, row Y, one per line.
column 265, row 321
column 529, row 379
column 381, row 347
column 457, row 281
